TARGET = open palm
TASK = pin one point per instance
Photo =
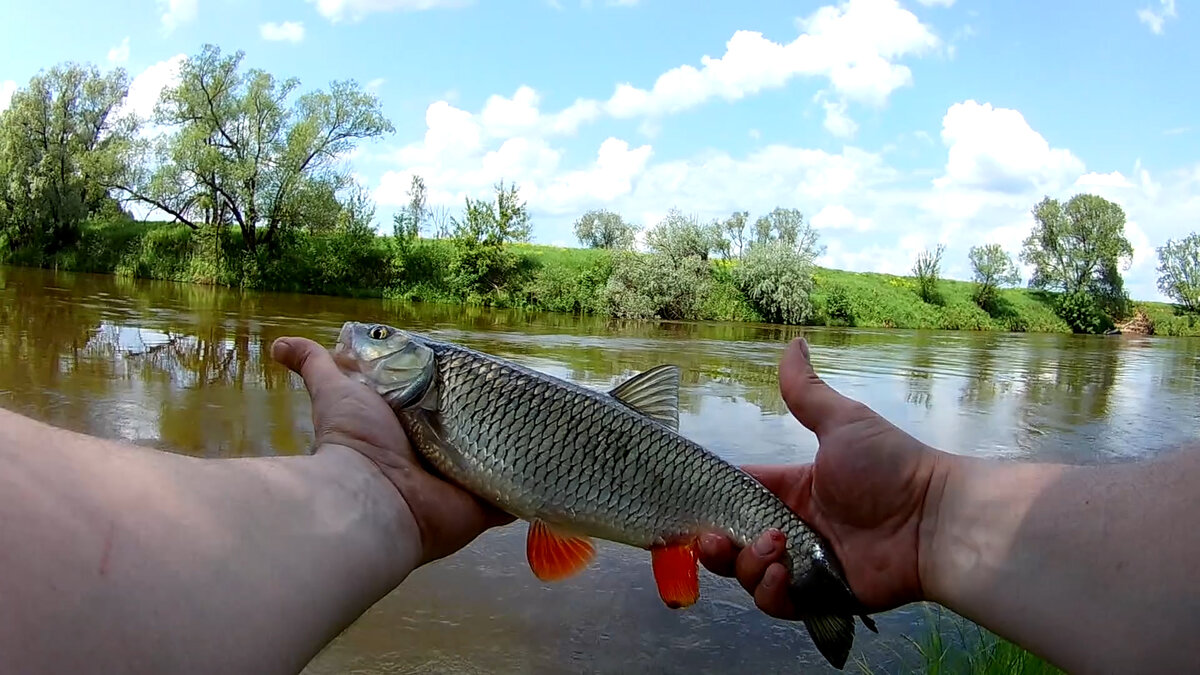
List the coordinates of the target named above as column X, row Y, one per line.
column 865, row 492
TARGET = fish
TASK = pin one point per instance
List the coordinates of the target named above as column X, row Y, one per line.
column 578, row 463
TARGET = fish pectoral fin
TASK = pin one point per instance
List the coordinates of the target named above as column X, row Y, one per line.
column 833, row 635
column 654, row 393
column 554, row 556
column 676, row 572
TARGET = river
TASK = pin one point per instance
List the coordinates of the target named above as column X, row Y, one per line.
column 186, row 369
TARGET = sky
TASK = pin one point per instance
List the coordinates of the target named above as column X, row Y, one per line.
column 892, row 126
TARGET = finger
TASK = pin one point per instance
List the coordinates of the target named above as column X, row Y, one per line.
column 309, row 360
column 718, row 554
column 753, row 561
column 775, row 477
column 771, row 596
column 813, row 402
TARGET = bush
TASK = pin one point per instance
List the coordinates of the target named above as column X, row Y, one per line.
column 654, row 286
column 926, row 270
column 1082, row 312
column 778, row 281
column 838, row 306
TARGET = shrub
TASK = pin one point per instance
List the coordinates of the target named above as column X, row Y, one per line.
column 778, row 281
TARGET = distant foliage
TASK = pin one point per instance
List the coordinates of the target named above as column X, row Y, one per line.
column 483, row 263
column 838, row 306
column 599, row 228
column 678, row 236
column 734, row 229
column 785, row 225
column 1080, row 247
column 406, row 225
column 1179, row 271
column 1082, row 312
column 992, row 268
column 927, row 269
column 58, row 141
column 776, row 275
column 657, row 287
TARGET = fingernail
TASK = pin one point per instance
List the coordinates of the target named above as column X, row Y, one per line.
column 765, row 543
column 804, row 348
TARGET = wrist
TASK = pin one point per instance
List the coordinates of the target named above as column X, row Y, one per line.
column 973, row 515
column 372, row 506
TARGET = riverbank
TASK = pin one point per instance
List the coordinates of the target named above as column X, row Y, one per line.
column 540, row 277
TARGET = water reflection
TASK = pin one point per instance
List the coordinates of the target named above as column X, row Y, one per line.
column 187, row 369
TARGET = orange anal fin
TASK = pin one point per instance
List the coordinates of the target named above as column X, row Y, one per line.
column 553, row 556
column 676, row 572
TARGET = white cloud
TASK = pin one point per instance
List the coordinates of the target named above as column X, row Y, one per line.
column 936, row 3
column 356, row 10
column 375, row 84
column 7, row 89
column 1155, row 20
column 120, row 53
column 287, row 31
column 995, row 149
column 837, row 122
column 838, row 217
column 146, row 87
column 177, row 12
column 853, row 45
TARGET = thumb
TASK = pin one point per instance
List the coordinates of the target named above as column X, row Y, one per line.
column 309, row 360
column 811, row 401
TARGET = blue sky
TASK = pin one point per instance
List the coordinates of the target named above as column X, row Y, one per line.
column 892, row 125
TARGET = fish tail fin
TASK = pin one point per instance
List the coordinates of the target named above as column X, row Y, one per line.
column 833, row 635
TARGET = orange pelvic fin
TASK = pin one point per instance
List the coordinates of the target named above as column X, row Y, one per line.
column 676, row 570
column 553, row 556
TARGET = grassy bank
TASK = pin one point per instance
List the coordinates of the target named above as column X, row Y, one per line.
column 532, row 276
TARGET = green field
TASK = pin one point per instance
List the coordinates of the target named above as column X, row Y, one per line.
column 535, row 277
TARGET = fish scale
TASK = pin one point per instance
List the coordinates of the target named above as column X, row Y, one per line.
column 579, row 463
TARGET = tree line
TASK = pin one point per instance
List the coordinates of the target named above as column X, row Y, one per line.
column 252, row 174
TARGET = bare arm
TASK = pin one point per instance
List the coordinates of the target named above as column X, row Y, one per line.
column 1095, row 568
column 117, row 558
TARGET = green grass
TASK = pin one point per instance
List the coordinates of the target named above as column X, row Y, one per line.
column 542, row 277
column 952, row 644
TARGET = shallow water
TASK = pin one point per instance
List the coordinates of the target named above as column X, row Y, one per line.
column 185, row 368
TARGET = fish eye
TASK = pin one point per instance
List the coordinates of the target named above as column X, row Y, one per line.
column 378, row 332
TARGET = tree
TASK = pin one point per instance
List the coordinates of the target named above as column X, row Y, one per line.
column 1078, row 247
column 240, row 152
column 407, row 224
column 600, row 228
column 993, row 268
column 1179, row 271
column 483, row 262
column 926, row 269
column 734, row 228
column 678, row 236
column 57, row 140
column 777, row 278
column 783, row 224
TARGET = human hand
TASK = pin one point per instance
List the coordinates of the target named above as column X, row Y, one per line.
column 868, row 491
column 349, row 414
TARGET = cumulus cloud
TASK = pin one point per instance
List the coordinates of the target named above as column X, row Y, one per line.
column 995, row 149
column 853, row 45
column 356, row 10
column 119, row 54
column 287, row 31
column 7, row 89
column 147, row 85
column 1155, row 19
column 936, row 3
column 837, row 121
column 177, row 12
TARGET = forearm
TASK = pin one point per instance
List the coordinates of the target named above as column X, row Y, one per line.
column 119, row 558
column 1096, row 568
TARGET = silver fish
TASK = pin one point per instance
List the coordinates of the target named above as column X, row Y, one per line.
column 578, row 463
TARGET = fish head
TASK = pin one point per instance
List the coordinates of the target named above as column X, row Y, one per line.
column 397, row 364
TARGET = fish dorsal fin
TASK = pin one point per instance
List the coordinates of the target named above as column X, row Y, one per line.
column 654, row 393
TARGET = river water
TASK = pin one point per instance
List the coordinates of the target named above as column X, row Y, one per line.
column 187, row 369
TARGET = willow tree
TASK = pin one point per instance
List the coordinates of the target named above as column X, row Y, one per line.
column 240, row 149
column 57, row 139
